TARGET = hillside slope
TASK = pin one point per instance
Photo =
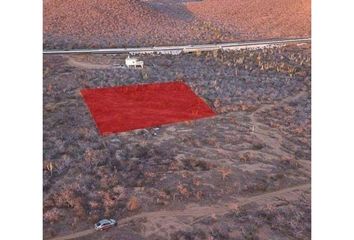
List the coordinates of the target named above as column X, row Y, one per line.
column 94, row 23
column 257, row 18
column 136, row 23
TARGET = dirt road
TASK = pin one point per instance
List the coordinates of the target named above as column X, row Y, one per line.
column 79, row 64
column 197, row 212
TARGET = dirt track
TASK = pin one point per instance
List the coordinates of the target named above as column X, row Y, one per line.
column 197, row 212
column 265, row 133
column 79, row 64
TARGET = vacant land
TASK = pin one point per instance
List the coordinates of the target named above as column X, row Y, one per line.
column 122, row 23
column 257, row 19
column 243, row 174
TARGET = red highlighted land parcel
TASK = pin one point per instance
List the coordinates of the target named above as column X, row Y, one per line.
column 125, row 108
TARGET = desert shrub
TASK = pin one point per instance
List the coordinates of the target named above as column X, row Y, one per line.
column 133, row 203
column 71, row 199
column 52, row 215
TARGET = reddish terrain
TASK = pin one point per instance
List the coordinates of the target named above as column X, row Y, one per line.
column 120, row 23
column 125, row 108
column 257, row 18
column 109, row 23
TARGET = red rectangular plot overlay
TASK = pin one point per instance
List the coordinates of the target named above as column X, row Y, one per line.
column 124, row 108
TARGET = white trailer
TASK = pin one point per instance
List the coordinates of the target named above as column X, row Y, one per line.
column 133, row 62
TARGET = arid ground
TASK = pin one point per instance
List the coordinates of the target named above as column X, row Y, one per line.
column 137, row 23
column 243, row 174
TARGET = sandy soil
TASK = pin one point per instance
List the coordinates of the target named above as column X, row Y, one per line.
column 243, row 174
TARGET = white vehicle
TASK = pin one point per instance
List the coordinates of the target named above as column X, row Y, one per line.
column 105, row 224
column 133, row 62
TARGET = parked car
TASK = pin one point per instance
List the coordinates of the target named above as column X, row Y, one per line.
column 105, row 224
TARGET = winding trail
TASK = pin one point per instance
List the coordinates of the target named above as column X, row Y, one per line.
column 196, row 211
column 262, row 131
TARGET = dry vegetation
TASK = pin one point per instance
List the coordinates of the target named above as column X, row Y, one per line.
column 112, row 23
column 121, row 23
column 206, row 179
column 252, row 19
